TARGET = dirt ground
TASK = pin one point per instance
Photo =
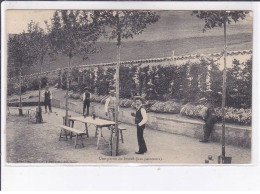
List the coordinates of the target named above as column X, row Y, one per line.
column 27, row 142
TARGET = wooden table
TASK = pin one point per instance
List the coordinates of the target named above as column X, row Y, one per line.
column 98, row 123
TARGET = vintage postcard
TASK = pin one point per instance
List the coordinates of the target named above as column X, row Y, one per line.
column 99, row 86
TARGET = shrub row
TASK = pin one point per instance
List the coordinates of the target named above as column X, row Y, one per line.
column 187, row 82
column 233, row 115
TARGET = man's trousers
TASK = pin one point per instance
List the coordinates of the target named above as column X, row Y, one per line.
column 140, row 138
column 47, row 103
column 86, row 104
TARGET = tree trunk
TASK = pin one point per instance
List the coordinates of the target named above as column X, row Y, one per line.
column 67, row 93
column 117, row 98
column 20, row 103
column 39, row 119
column 224, row 95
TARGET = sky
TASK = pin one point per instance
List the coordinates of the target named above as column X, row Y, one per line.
column 171, row 25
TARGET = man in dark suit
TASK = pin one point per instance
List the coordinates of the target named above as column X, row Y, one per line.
column 47, row 98
column 140, row 121
column 209, row 116
column 86, row 100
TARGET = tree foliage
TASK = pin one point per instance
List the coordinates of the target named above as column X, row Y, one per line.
column 75, row 32
column 20, row 54
column 125, row 24
column 214, row 19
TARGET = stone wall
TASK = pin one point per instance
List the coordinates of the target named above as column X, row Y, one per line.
column 235, row 134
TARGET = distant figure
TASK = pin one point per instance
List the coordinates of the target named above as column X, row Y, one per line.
column 86, row 100
column 209, row 116
column 110, row 105
column 47, row 98
column 140, row 120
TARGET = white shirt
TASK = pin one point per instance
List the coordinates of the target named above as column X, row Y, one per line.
column 84, row 96
column 144, row 115
column 107, row 103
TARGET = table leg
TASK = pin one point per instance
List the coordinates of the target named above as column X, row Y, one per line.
column 99, row 136
column 96, row 132
column 111, row 140
column 76, row 140
column 121, row 133
column 86, row 128
column 72, row 125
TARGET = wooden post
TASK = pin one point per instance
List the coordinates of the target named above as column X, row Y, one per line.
column 224, row 95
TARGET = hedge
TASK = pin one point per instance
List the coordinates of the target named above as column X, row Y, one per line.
column 233, row 115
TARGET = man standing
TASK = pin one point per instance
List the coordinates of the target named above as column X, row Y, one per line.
column 47, row 98
column 140, row 120
column 110, row 105
column 86, row 100
column 209, row 116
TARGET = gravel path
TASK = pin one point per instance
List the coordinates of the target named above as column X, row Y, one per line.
column 38, row 143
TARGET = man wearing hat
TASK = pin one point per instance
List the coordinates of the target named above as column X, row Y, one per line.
column 47, row 98
column 110, row 105
column 140, row 121
column 209, row 116
column 86, row 100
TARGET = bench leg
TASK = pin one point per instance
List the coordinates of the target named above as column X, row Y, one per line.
column 63, row 136
column 81, row 141
column 76, row 140
column 121, row 133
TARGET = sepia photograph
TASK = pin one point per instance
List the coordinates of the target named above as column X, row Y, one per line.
column 99, row 86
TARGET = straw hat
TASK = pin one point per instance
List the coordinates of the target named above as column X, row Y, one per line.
column 111, row 91
column 202, row 100
column 139, row 98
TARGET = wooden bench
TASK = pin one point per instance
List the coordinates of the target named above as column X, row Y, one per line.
column 20, row 109
column 121, row 129
column 71, row 130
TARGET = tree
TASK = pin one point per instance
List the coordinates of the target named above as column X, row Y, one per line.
column 214, row 19
column 75, row 33
column 41, row 47
column 124, row 25
column 20, row 56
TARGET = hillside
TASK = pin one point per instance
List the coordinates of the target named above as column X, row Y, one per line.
column 154, row 49
column 175, row 30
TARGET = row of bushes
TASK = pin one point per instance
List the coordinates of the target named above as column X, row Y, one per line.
column 186, row 83
column 233, row 115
